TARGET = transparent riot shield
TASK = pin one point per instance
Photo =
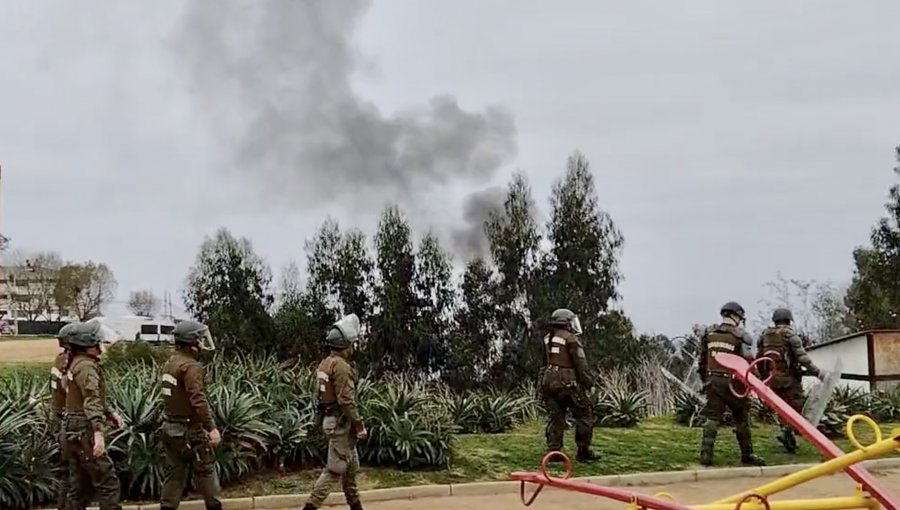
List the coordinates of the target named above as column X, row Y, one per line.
column 820, row 395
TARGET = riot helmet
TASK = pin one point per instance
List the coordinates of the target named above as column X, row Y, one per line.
column 782, row 316
column 343, row 333
column 566, row 319
column 193, row 334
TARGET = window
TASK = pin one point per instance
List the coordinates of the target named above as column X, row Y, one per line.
column 166, row 330
column 148, row 329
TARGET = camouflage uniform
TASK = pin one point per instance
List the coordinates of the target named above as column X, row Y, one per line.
column 86, row 414
column 785, row 348
column 340, row 422
column 565, row 385
column 188, row 422
column 727, row 337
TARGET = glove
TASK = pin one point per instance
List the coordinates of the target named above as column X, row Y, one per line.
column 361, row 433
column 114, row 420
column 215, row 437
column 99, row 444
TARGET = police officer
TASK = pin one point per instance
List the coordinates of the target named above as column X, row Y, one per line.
column 189, row 432
column 341, row 422
column 785, row 348
column 87, row 413
column 58, row 404
column 726, row 337
column 566, row 383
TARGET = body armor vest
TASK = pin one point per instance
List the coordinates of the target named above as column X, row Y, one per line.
column 58, row 384
column 775, row 346
column 724, row 338
column 327, row 394
column 177, row 402
column 555, row 350
column 74, row 397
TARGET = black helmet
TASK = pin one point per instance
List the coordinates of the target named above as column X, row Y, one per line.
column 782, row 316
column 65, row 332
column 343, row 333
column 85, row 334
column 565, row 318
column 732, row 308
column 193, row 333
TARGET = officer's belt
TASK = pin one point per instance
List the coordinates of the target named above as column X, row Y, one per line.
column 720, row 374
column 179, row 419
column 557, row 368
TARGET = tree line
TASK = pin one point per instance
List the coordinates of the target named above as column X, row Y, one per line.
column 419, row 317
column 44, row 287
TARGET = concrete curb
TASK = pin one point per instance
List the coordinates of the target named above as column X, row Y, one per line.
column 512, row 487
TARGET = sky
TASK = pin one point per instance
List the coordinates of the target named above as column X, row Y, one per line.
column 729, row 141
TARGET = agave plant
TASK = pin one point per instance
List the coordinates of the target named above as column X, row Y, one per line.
column 26, row 456
column 499, row 411
column 688, row 408
column 621, row 408
column 886, row 405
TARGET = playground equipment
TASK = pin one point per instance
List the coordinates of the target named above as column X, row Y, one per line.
column 869, row 493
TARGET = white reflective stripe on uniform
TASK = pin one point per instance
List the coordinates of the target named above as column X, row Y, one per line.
column 558, row 340
column 169, row 379
column 167, row 392
column 322, row 375
column 322, row 387
column 546, row 340
column 71, row 376
column 53, row 385
column 554, row 350
column 56, row 373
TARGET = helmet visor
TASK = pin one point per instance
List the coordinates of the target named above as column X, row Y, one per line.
column 206, row 342
column 576, row 325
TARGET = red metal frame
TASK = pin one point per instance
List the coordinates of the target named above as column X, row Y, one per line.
column 741, row 370
column 544, row 479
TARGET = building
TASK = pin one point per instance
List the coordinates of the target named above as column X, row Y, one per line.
column 26, row 294
column 870, row 359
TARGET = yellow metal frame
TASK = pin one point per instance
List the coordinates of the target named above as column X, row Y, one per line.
column 757, row 498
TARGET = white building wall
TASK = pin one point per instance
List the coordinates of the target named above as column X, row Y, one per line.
column 853, row 354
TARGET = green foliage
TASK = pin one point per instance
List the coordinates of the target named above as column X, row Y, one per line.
column 845, row 402
column 228, row 288
column 620, row 408
column 128, row 353
column 687, row 409
column 885, row 405
column 874, row 292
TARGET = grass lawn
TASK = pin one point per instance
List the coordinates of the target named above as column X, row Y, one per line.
column 657, row 445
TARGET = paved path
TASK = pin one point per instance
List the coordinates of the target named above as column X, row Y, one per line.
column 699, row 492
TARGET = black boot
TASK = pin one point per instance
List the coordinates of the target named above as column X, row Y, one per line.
column 356, row 506
column 309, row 506
column 586, row 455
column 708, row 443
column 747, row 457
column 788, row 440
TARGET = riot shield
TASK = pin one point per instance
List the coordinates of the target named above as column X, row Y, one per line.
column 684, row 385
column 820, row 395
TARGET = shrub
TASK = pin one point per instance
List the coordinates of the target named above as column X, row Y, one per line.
column 885, row 405
column 128, row 354
column 621, row 408
column 688, row 407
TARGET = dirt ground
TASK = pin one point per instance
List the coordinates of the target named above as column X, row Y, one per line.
column 28, row 351
column 696, row 493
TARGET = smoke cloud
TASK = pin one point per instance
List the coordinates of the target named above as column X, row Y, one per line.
column 273, row 78
column 469, row 239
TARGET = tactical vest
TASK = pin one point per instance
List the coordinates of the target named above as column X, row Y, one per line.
column 58, row 384
column 177, row 402
column 555, row 350
column 74, row 396
column 327, row 394
column 775, row 346
column 723, row 338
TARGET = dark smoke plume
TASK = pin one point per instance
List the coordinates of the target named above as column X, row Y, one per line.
column 274, row 79
column 470, row 239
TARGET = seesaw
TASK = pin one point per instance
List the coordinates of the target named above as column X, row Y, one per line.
column 869, row 493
